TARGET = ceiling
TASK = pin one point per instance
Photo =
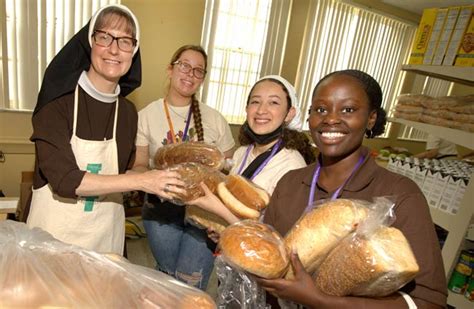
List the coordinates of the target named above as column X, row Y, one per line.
column 417, row 6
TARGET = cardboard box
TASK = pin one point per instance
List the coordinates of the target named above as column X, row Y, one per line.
column 26, row 186
column 435, row 35
column 445, row 37
column 449, row 194
column 422, row 36
column 465, row 55
column 462, row 23
column 440, row 182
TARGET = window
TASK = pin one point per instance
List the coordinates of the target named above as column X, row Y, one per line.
column 343, row 36
column 245, row 39
column 32, row 32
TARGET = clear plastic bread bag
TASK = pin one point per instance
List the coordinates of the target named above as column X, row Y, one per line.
column 193, row 174
column 374, row 261
column 249, row 247
column 196, row 152
column 38, row 271
column 321, row 227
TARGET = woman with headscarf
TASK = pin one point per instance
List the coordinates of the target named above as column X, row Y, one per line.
column 84, row 132
column 271, row 140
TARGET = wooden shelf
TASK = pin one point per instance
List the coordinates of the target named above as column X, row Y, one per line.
column 458, row 137
column 463, row 75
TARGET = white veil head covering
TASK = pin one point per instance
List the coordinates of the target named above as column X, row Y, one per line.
column 296, row 123
column 123, row 8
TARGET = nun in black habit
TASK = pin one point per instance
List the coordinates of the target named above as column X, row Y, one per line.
column 84, row 132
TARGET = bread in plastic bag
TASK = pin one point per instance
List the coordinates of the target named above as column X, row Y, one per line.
column 197, row 152
column 242, row 197
column 204, row 219
column 254, row 247
column 373, row 265
column 237, row 289
column 319, row 230
column 38, row 271
column 193, row 174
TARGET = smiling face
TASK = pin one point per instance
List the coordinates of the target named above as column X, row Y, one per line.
column 186, row 84
column 339, row 116
column 109, row 64
column 267, row 107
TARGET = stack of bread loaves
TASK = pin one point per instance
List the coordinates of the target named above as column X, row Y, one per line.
column 38, row 271
column 197, row 163
column 345, row 244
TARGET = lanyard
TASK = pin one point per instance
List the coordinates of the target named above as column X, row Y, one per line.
column 334, row 196
column 170, row 123
column 264, row 163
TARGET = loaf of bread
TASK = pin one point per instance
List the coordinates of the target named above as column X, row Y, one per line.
column 254, row 247
column 205, row 219
column 244, row 198
column 193, row 174
column 196, row 152
column 317, row 232
column 375, row 265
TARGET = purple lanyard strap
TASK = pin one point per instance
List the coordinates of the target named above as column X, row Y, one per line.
column 334, row 196
column 264, row 163
column 186, row 127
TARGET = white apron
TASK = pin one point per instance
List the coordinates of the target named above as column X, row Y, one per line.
column 94, row 223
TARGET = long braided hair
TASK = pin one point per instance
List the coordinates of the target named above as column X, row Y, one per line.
column 194, row 102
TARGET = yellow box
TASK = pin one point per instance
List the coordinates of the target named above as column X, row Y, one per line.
column 422, row 36
column 461, row 25
column 435, row 35
column 445, row 37
column 465, row 56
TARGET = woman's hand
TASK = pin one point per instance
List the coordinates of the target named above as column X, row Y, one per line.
column 210, row 202
column 301, row 289
column 165, row 184
column 213, row 235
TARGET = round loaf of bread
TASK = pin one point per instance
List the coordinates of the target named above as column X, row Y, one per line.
column 197, row 152
column 254, row 247
column 317, row 232
column 243, row 198
column 374, row 265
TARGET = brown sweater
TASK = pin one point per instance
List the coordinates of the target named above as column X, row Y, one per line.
column 412, row 217
column 52, row 130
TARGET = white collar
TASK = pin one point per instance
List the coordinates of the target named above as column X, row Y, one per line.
column 90, row 89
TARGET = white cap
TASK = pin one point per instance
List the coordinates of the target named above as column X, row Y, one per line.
column 124, row 8
column 296, row 123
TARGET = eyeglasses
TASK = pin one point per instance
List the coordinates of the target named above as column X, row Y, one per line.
column 105, row 39
column 184, row 67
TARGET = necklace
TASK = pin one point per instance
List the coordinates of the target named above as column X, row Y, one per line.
column 170, row 123
column 171, row 107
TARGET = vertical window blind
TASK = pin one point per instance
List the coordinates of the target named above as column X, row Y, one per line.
column 32, row 32
column 344, row 36
column 244, row 39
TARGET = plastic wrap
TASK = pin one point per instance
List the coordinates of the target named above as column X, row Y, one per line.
column 375, row 260
column 38, row 271
column 318, row 231
column 238, row 290
column 192, row 174
column 254, row 247
column 197, row 152
column 204, row 219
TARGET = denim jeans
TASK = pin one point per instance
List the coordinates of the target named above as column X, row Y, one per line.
column 181, row 250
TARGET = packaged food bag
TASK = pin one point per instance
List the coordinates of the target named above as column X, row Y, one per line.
column 38, row 271
column 197, row 152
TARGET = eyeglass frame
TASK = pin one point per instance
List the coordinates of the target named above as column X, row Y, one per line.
column 114, row 38
column 180, row 68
